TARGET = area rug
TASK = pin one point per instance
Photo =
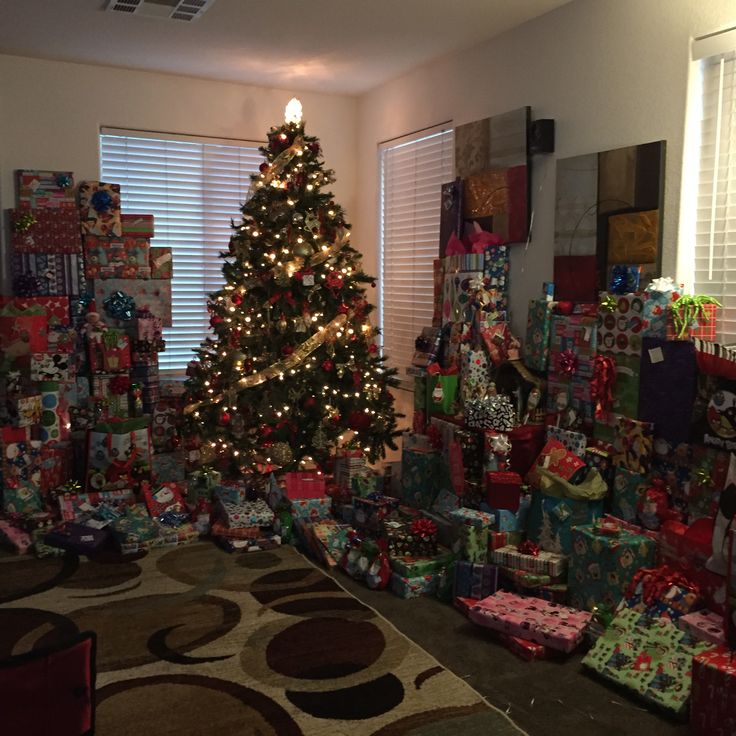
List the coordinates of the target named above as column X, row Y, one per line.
column 192, row 640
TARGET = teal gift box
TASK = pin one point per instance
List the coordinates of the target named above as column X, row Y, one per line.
column 423, row 475
column 168, row 467
column 551, row 520
column 538, row 326
column 628, row 488
column 314, row 509
column 602, row 567
column 414, row 587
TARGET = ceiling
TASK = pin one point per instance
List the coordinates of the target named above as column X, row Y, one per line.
column 341, row 46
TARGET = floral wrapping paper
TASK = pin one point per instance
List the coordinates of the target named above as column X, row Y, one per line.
column 704, row 625
column 628, row 488
column 474, row 581
column 161, row 262
column 413, row 587
column 119, row 258
column 602, row 567
column 533, row 619
column 152, row 294
column 650, row 657
column 314, row 509
column 58, row 274
column 55, row 231
column 99, row 208
column 137, row 226
column 633, row 444
column 247, row 513
column 538, row 329
column 575, row 442
column 713, row 706
column 46, row 189
column 547, row 563
column 409, row 566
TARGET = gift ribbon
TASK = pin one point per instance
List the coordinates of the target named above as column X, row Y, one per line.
column 423, row 528
column 435, row 370
column 119, row 385
column 655, row 582
column 567, row 363
column 602, row 384
column 608, row 303
column 690, row 309
column 624, row 279
column 528, row 548
column 662, row 285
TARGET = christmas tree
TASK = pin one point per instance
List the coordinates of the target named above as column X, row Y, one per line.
column 292, row 369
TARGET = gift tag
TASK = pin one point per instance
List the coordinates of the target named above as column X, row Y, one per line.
column 308, row 279
column 656, row 355
column 163, row 495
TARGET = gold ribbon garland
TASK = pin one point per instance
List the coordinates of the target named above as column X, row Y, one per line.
column 280, row 162
column 341, row 240
column 281, row 366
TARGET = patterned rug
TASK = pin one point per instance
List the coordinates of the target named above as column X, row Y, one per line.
column 192, row 640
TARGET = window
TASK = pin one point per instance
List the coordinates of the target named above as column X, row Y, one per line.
column 715, row 215
column 193, row 188
column 412, row 172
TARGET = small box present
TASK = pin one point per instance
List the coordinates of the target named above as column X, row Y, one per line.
column 704, row 625
column 633, row 444
column 413, row 587
column 532, row 619
column 119, row 258
column 99, row 208
column 417, row 538
column 314, row 509
column 547, row 563
column 137, row 226
column 161, row 262
column 573, row 345
column 472, row 517
column 575, row 442
column 57, row 274
column 369, row 513
column 45, row 189
column 704, row 326
column 474, row 581
column 503, row 490
column 409, row 566
column 247, row 513
column 305, row 485
column 713, row 706
column 51, row 367
column 233, row 492
column 527, row 650
column 163, row 497
column 23, row 410
column 51, row 231
column 538, row 329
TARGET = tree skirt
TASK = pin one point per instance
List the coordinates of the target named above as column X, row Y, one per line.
column 192, row 640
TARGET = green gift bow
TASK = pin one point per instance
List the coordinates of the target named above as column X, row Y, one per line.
column 688, row 309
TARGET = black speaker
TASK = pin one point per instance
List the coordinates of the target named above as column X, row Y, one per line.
column 542, row 136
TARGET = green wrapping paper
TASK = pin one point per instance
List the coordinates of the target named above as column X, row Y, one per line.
column 649, row 656
column 423, row 476
column 411, row 567
column 628, row 488
column 538, row 325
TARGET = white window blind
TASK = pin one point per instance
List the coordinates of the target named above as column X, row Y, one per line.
column 412, row 171
column 193, row 188
column 715, row 222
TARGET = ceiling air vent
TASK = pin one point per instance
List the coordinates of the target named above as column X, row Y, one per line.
column 185, row 10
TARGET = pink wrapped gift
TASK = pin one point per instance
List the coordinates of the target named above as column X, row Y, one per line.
column 16, row 537
column 533, row 619
column 704, row 625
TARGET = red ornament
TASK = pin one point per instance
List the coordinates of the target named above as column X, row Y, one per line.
column 373, row 284
column 357, row 379
column 225, row 417
column 373, row 348
column 336, row 418
column 310, row 402
column 236, row 299
column 343, row 309
column 248, row 366
column 287, row 350
column 359, row 420
column 327, row 365
column 265, row 431
column 298, row 275
column 216, row 320
column 263, row 168
column 314, row 147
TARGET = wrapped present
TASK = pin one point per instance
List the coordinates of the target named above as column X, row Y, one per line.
column 491, row 412
column 99, row 208
column 247, row 513
column 650, row 657
column 153, row 295
column 526, row 650
column 21, row 461
column 575, row 442
column 472, row 517
column 165, row 425
column 527, row 442
column 110, row 353
column 570, row 401
column 56, row 274
column 51, row 367
column 496, row 450
column 472, row 544
column 713, row 705
column 414, row 587
column 446, row 529
column 704, row 625
column 135, row 530
column 15, row 537
column 532, row 619
column 111, row 391
column 22, row 410
column 62, row 338
column 161, row 262
column 57, row 465
column 417, row 538
column 137, row 226
column 305, row 485
column 163, row 497
column 55, row 419
column 628, row 489
column 573, row 345
column 498, row 539
column 116, row 258
column 77, row 537
column 72, row 505
column 49, row 190
column 692, row 317
column 119, row 454
column 633, row 444
column 423, row 475
column 503, row 490
column 529, row 558
column 24, row 499
column 50, row 231
column 409, row 566
column 57, row 310
column 662, row 592
column 168, row 467
column 538, row 330
column 369, row 513
column 233, row 492
column 475, row 373
column 556, row 459
column 600, row 456
column 512, row 521
column 668, row 384
column 202, row 482
column 523, row 581
column 602, row 566
column 442, row 386
column 314, row 509
column 22, row 332
column 474, row 581
column 559, row 506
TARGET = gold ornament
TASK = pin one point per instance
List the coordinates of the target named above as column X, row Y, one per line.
column 282, row 325
column 281, row 453
column 302, row 249
column 282, row 277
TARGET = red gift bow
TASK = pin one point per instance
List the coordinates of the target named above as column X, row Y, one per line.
column 528, row 548
column 435, row 370
column 657, row 581
column 286, row 296
column 423, row 528
column 602, row 384
column 119, row 385
column 567, row 362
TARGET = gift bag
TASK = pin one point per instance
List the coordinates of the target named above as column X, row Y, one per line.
column 475, row 373
column 491, row 412
column 441, row 393
column 22, row 332
column 119, row 454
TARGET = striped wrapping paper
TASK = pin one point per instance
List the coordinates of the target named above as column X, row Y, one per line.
column 547, row 563
column 59, row 274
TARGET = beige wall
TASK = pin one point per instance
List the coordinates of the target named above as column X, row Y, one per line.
column 610, row 72
column 51, row 113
